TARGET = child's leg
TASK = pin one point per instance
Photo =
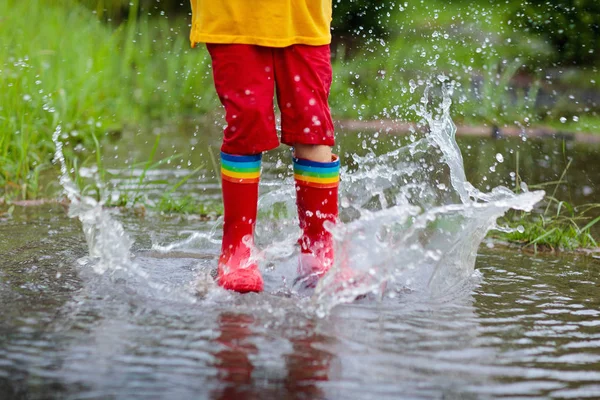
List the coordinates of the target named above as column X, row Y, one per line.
column 317, row 201
column 312, row 152
column 244, row 81
column 303, row 78
column 239, row 178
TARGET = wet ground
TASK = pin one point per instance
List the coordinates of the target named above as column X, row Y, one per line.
column 522, row 325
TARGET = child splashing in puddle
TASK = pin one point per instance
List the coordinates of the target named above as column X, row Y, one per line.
column 259, row 48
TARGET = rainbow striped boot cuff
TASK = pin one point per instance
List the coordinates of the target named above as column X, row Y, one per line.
column 317, row 174
column 240, row 169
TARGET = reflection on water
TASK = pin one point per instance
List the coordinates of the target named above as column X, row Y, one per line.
column 232, row 362
column 241, row 364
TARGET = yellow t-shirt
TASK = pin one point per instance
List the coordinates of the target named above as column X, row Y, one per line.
column 272, row 23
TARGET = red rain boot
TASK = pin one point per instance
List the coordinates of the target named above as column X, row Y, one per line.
column 317, row 199
column 240, row 176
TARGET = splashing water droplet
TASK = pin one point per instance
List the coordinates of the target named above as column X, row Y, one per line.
column 108, row 244
column 386, row 233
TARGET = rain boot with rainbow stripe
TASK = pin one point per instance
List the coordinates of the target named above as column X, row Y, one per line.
column 240, row 176
column 317, row 200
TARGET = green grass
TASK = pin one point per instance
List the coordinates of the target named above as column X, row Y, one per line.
column 567, row 228
column 59, row 64
column 559, row 226
column 187, row 205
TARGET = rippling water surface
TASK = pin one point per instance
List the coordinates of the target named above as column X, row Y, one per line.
column 525, row 325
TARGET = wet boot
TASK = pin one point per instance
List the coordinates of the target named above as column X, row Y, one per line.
column 317, row 199
column 240, row 176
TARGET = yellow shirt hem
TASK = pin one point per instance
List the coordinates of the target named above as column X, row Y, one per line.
column 259, row 41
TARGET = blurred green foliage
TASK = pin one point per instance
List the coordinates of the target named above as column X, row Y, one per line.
column 572, row 27
column 118, row 10
column 362, row 19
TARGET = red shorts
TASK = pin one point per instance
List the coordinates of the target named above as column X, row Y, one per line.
column 246, row 78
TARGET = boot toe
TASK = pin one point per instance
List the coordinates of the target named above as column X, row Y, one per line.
column 243, row 280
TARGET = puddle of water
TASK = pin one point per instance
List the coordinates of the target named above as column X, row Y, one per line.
column 124, row 322
column 529, row 327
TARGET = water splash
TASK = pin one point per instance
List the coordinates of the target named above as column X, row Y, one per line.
column 410, row 219
column 414, row 219
column 109, row 245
